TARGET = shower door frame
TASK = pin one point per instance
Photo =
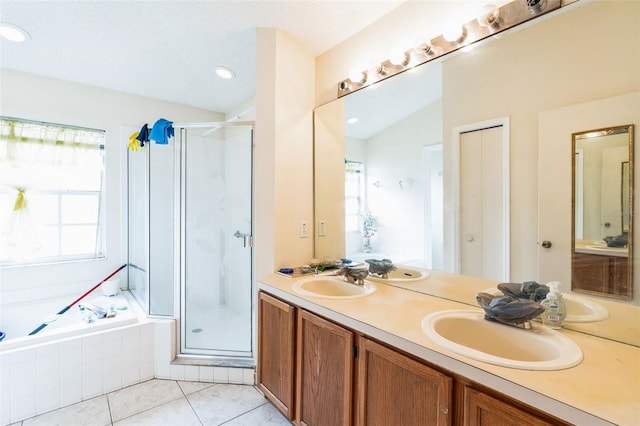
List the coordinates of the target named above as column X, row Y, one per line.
column 226, row 358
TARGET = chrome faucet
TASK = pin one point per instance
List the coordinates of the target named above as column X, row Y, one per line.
column 97, row 310
column 353, row 275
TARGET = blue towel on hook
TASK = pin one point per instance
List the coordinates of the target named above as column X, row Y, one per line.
column 143, row 135
column 161, row 132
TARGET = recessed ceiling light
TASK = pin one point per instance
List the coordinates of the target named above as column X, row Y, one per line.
column 224, row 72
column 13, row 33
column 352, row 120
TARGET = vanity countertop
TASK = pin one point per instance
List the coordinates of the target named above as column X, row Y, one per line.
column 603, row 389
column 600, row 249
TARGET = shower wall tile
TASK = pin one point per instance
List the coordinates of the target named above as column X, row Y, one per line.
column 130, row 374
column 162, row 370
column 220, row 375
column 91, row 379
column 249, row 376
column 147, row 370
column 48, row 400
column 205, row 374
column 70, row 354
column 92, row 348
column 22, row 408
column 5, row 384
column 191, row 373
column 177, row 372
column 236, row 376
column 70, row 392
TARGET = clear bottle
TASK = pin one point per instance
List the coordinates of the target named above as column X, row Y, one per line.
column 555, row 310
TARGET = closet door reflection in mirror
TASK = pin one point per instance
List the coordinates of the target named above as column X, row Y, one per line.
column 602, row 202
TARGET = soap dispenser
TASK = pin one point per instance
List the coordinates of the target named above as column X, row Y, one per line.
column 555, row 310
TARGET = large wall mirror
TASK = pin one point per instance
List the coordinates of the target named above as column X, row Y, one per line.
column 384, row 180
column 602, row 202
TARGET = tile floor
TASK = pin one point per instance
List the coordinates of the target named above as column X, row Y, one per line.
column 168, row 403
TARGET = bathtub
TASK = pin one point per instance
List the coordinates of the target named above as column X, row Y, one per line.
column 69, row 361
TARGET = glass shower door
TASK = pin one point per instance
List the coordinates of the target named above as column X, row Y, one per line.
column 216, row 252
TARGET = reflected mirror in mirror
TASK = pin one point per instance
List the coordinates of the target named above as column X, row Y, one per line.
column 602, row 201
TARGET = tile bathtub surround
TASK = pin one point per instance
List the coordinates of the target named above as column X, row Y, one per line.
column 168, row 402
column 44, row 377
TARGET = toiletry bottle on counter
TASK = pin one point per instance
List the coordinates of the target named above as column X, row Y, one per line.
column 555, row 310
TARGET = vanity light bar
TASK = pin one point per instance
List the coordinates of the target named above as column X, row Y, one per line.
column 503, row 18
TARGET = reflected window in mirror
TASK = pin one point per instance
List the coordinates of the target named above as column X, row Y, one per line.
column 602, row 199
column 353, row 197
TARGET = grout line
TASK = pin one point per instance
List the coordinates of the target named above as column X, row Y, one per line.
column 246, row 412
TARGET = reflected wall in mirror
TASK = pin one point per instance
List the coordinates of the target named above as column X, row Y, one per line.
column 378, row 185
column 602, row 200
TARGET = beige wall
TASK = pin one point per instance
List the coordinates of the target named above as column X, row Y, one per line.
column 33, row 97
column 588, row 51
column 284, row 143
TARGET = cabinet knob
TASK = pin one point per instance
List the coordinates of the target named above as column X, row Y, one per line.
column 546, row 244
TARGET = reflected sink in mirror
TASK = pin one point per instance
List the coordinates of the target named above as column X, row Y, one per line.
column 402, row 274
column 332, row 287
column 467, row 333
column 579, row 309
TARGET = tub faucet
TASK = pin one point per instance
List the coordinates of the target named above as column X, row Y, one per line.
column 97, row 310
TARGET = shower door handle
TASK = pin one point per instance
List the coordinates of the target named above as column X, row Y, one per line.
column 247, row 239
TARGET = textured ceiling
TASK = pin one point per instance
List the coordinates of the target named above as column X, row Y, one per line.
column 168, row 49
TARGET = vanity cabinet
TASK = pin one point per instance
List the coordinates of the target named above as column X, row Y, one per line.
column 601, row 274
column 276, row 352
column 483, row 409
column 317, row 372
column 324, row 379
column 393, row 389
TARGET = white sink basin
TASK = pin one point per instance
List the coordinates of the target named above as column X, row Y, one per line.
column 579, row 309
column 402, row 274
column 467, row 333
column 330, row 287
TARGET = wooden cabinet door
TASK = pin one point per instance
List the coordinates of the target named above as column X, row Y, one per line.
column 590, row 273
column 276, row 352
column 481, row 409
column 325, row 372
column 394, row 389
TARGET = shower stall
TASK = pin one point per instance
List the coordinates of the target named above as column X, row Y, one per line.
column 190, row 237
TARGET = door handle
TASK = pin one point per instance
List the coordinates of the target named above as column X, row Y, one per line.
column 247, row 239
column 546, row 244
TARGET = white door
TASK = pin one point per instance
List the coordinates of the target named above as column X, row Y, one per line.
column 555, row 129
column 481, row 235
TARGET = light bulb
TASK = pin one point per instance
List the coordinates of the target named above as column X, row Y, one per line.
column 399, row 57
column 454, row 33
column 489, row 16
column 357, row 76
column 423, row 46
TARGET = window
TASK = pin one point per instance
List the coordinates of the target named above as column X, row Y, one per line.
column 51, row 191
column 353, row 200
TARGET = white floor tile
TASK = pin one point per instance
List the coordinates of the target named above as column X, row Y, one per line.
column 219, row 403
column 265, row 415
column 141, row 397
column 177, row 412
column 93, row 412
column 192, row 387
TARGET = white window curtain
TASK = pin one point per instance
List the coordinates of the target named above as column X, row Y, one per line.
column 36, row 157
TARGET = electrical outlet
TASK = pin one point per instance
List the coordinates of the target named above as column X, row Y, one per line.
column 304, row 229
column 322, row 228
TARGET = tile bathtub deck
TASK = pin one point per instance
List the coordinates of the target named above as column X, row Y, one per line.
column 168, row 402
